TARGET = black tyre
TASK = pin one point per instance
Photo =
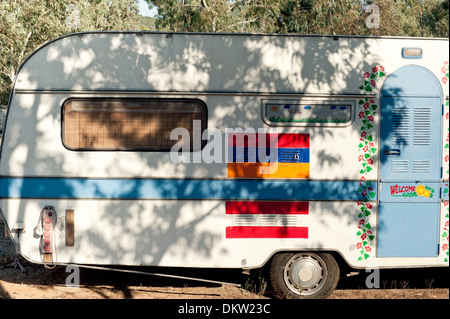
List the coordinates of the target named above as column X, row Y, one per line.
column 304, row 275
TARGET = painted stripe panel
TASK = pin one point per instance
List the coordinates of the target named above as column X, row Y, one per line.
column 269, row 207
column 290, row 160
column 236, row 189
column 266, row 232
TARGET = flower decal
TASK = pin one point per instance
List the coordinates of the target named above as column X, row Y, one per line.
column 445, row 77
column 366, row 159
column 445, row 232
column 445, row 219
column 420, row 190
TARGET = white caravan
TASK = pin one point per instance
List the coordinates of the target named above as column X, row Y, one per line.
column 301, row 153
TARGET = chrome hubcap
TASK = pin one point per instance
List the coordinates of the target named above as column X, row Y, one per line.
column 305, row 273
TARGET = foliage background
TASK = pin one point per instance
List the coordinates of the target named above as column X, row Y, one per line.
column 25, row 25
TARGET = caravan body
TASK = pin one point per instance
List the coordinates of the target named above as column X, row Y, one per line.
column 224, row 150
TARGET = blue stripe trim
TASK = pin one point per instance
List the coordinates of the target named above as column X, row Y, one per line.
column 280, row 155
column 248, row 189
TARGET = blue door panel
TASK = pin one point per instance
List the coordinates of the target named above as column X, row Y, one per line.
column 408, row 230
column 410, row 170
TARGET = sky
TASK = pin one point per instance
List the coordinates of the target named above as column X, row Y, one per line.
column 143, row 8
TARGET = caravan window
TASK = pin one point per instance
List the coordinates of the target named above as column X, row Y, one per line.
column 308, row 112
column 129, row 124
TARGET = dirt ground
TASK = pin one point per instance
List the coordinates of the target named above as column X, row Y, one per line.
column 36, row 282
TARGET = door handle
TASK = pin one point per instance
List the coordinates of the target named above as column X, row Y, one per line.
column 393, row 152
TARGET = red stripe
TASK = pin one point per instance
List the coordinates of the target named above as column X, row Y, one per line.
column 261, row 207
column 293, row 140
column 266, row 232
column 286, row 140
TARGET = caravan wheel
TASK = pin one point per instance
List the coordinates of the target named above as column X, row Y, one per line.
column 304, row 275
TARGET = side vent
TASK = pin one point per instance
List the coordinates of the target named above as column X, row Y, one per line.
column 422, row 126
column 70, row 227
column 400, row 126
column 400, row 166
column 421, row 166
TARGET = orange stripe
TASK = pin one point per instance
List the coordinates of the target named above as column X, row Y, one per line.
column 276, row 170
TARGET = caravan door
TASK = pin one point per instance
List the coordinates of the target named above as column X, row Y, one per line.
column 410, row 172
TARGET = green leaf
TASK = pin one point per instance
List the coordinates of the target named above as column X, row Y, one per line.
column 368, row 226
column 368, row 89
column 372, row 194
column 370, row 138
column 373, row 149
column 381, row 74
column 371, row 237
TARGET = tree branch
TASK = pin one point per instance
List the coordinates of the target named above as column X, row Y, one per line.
column 25, row 45
column 241, row 22
column 236, row 3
